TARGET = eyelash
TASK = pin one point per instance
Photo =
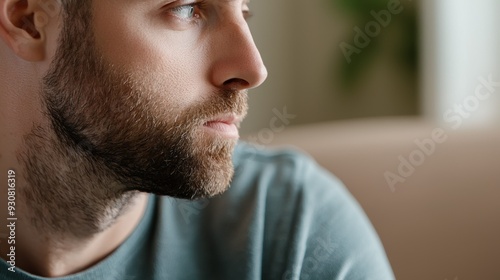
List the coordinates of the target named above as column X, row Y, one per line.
column 247, row 15
column 197, row 7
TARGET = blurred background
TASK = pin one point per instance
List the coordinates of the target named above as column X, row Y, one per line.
column 401, row 100
column 422, row 60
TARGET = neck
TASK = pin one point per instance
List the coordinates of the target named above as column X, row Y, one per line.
column 59, row 255
column 70, row 213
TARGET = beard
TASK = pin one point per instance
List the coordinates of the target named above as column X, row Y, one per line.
column 110, row 132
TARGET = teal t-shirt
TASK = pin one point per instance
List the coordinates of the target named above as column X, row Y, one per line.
column 284, row 217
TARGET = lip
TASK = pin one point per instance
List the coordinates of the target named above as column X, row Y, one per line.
column 225, row 125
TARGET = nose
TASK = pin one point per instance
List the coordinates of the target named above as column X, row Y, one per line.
column 237, row 63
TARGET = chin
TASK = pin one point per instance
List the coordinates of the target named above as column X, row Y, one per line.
column 205, row 173
column 193, row 188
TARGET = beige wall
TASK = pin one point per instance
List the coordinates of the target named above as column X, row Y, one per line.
column 271, row 27
column 299, row 43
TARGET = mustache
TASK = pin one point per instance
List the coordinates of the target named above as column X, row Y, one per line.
column 221, row 102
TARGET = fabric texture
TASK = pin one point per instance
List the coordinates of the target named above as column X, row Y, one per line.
column 284, row 217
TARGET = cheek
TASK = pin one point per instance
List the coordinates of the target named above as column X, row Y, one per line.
column 169, row 63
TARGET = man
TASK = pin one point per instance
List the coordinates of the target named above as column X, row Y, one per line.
column 118, row 124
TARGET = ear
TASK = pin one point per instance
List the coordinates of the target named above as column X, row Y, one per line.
column 23, row 26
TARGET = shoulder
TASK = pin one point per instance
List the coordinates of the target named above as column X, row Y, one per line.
column 288, row 164
column 286, row 173
column 310, row 217
column 290, row 181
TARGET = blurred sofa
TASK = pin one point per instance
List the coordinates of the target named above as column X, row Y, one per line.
column 438, row 220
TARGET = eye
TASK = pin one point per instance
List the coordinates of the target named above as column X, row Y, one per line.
column 247, row 14
column 186, row 12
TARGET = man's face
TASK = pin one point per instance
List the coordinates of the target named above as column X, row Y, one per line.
column 150, row 92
